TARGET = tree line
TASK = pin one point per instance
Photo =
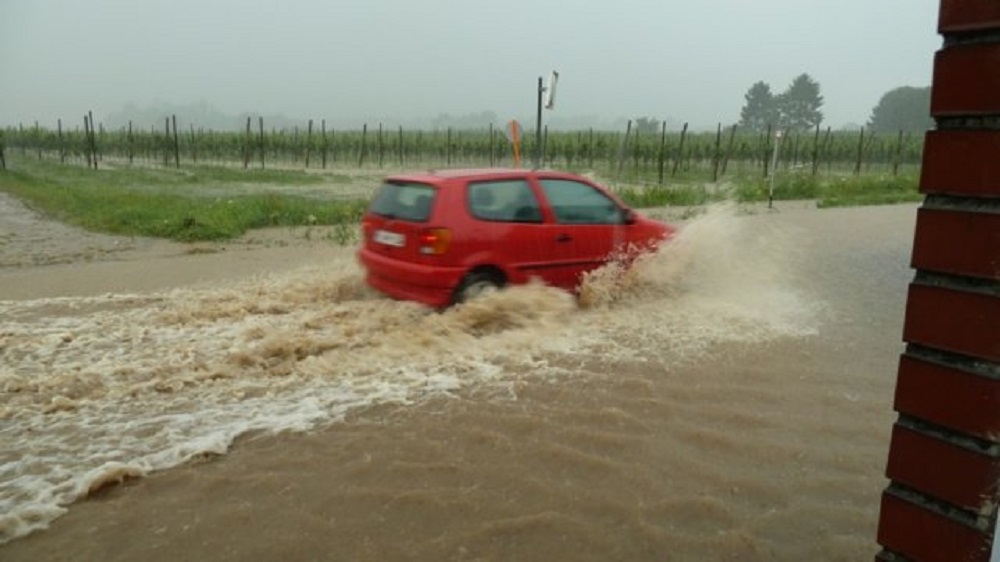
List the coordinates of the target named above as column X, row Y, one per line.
column 798, row 108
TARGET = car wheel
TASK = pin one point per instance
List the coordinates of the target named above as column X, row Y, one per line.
column 477, row 284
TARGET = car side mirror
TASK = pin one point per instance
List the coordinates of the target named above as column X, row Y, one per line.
column 629, row 216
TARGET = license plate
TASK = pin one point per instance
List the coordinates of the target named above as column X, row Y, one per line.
column 389, row 238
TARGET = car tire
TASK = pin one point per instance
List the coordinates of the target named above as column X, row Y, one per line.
column 477, row 284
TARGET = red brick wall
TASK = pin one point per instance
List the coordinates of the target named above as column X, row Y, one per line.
column 944, row 458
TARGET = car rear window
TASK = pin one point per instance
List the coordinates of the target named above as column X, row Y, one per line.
column 405, row 201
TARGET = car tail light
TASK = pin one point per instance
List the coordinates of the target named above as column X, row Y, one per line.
column 435, row 241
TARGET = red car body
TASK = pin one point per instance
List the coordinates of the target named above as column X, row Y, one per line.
column 428, row 237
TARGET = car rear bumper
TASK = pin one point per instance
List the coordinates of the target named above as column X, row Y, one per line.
column 428, row 284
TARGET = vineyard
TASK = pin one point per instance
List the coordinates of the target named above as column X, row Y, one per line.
column 630, row 156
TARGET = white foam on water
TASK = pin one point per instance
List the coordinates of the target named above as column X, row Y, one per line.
column 95, row 391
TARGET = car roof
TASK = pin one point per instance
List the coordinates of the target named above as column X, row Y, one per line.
column 436, row 176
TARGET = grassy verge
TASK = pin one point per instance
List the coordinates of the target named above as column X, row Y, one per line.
column 174, row 204
column 216, row 203
column 839, row 191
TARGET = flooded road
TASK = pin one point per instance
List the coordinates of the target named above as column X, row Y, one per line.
column 729, row 398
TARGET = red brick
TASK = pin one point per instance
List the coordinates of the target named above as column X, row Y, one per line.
column 962, row 243
column 968, row 15
column 948, row 397
column 966, row 80
column 953, row 320
column 943, row 470
column 921, row 534
column 961, row 163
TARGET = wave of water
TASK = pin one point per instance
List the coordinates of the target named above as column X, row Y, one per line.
column 98, row 390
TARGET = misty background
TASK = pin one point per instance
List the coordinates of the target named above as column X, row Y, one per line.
column 438, row 62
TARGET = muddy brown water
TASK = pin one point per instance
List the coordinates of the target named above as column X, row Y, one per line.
column 729, row 399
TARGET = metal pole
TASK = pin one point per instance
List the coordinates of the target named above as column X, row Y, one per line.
column 774, row 170
column 538, row 127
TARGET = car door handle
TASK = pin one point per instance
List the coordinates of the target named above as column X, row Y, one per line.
column 564, row 238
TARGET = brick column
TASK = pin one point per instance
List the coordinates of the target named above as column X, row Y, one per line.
column 944, row 458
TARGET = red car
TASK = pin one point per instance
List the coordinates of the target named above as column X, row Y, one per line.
column 441, row 237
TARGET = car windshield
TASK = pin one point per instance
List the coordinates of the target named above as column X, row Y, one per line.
column 405, row 201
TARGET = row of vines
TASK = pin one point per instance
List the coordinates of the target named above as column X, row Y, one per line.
column 643, row 156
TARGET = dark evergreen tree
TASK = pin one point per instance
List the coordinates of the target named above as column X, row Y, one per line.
column 647, row 125
column 905, row 109
column 800, row 104
column 760, row 109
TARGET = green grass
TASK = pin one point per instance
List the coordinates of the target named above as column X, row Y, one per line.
column 837, row 191
column 218, row 203
column 662, row 196
column 871, row 190
column 173, row 204
column 840, row 191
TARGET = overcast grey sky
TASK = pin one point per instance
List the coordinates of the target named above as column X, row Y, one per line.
column 368, row 60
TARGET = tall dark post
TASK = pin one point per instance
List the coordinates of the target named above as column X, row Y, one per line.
column 590, row 148
column 381, row 146
column 492, row 142
column 538, row 127
column 177, row 144
column 260, row 125
column 680, row 150
column 322, row 128
column 729, row 151
column 815, row 152
column 717, row 156
column 166, row 142
column 86, row 138
column 663, row 151
column 62, row 147
column 861, row 148
column 448, row 149
column 364, row 135
column 92, row 139
column 309, row 140
column 247, row 147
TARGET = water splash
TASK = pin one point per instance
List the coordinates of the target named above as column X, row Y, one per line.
column 97, row 390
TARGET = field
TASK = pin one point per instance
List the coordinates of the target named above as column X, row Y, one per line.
column 630, row 155
column 205, row 185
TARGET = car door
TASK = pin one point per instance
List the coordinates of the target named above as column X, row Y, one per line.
column 509, row 228
column 586, row 227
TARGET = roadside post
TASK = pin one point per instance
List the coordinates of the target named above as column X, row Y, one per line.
column 549, row 93
column 774, row 169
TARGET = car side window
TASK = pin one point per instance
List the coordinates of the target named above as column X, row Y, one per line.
column 578, row 203
column 505, row 201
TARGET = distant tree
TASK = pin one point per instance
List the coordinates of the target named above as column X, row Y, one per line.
column 800, row 104
column 905, row 109
column 760, row 109
column 647, row 126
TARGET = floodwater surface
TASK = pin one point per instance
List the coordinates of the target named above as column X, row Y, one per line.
column 727, row 398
